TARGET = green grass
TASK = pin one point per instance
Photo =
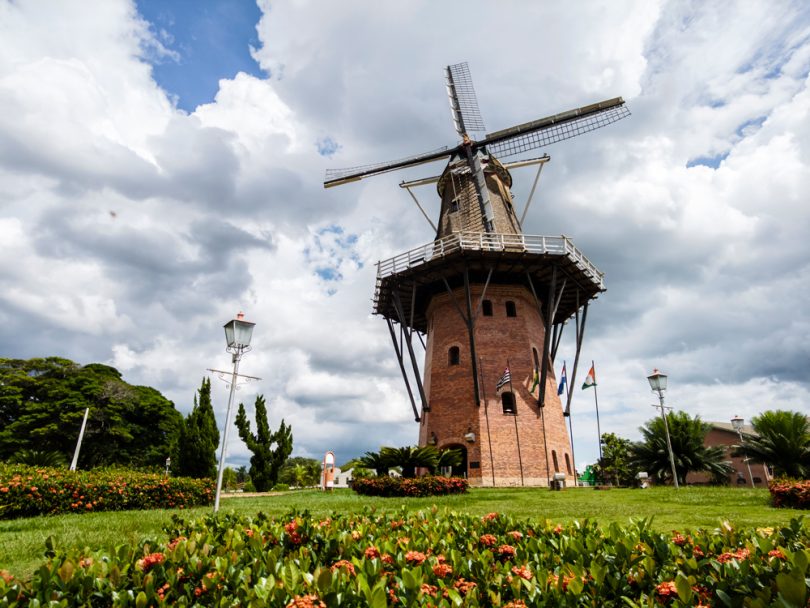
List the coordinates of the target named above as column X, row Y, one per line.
column 22, row 540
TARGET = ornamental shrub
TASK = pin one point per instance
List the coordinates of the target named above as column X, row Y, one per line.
column 425, row 559
column 29, row 491
column 418, row 486
column 790, row 493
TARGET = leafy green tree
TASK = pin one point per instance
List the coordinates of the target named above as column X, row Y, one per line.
column 267, row 460
column 615, row 465
column 783, row 442
column 687, row 435
column 376, row 462
column 42, row 404
column 38, row 458
column 410, row 458
column 199, row 438
column 300, row 471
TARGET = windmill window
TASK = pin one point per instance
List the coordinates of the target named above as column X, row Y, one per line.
column 453, row 356
column 486, row 308
column 511, row 311
column 554, row 458
column 568, row 464
column 454, row 205
column 508, row 403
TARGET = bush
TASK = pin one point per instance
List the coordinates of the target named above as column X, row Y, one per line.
column 29, row 491
column 418, row 486
column 281, row 487
column 423, row 559
column 790, row 493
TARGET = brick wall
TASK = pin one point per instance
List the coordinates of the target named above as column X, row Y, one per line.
column 515, row 439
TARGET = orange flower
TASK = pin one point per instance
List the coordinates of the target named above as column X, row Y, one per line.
column 343, row 564
column 442, row 570
column 506, row 551
column 371, row 552
column 777, row 553
column 522, row 572
column 414, row 557
column 489, row 517
column 666, row 590
column 487, row 540
column 150, row 560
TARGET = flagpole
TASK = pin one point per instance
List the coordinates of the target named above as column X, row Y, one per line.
column 75, row 462
column 570, row 428
column 486, row 417
column 517, row 435
column 596, row 401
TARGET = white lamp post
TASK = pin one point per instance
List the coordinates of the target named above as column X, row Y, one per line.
column 238, row 333
column 658, row 383
column 168, row 464
column 737, row 423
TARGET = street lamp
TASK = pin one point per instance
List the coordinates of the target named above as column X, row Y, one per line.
column 737, row 423
column 238, row 333
column 658, row 383
column 168, row 464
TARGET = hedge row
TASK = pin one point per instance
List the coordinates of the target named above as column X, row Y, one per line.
column 419, row 486
column 426, row 559
column 28, row 491
column 790, row 493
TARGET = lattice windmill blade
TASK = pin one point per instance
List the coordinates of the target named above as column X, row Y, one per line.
column 336, row 177
column 545, row 131
column 463, row 103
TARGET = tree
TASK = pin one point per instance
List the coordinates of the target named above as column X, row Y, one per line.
column 687, row 435
column 301, row 472
column 615, row 465
column 267, row 460
column 42, row 404
column 411, row 458
column 375, row 461
column 199, row 438
column 783, row 442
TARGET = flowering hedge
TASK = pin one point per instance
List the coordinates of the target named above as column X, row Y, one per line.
column 28, row 491
column 426, row 559
column 418, row 486
column 790, row 493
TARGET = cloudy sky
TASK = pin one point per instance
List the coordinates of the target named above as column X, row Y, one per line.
column 161, row 168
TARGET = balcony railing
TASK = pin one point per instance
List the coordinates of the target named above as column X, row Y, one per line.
column 482, row 241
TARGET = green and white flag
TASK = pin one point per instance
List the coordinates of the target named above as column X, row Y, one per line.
column 590, row 380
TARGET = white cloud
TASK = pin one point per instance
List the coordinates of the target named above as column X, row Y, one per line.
column 136, row 230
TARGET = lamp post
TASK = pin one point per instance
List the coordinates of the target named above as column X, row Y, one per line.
column 238, row 333
column 168, row 464
column 658, row 383
column 737, row 422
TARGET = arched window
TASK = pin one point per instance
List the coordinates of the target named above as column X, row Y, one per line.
column 554, row 458
column 453, row 356
column 511, row 311
column 508, row 402
column 486, row 308
column 568, row 464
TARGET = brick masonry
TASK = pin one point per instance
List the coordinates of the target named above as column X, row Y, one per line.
column 517, row 441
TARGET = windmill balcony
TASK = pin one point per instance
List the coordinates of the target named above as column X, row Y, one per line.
column 484, row 241
column 413, row 277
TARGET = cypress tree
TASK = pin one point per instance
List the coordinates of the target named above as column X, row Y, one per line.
column 199, row 437
column 267, row 460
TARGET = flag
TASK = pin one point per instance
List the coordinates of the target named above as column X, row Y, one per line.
column 590, row 380
column 535, row 381
column 563, row 381
column 505, row 379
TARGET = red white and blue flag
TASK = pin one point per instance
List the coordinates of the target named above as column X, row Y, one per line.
column 563, row 381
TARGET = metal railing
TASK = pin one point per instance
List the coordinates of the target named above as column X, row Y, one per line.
column 483, row 241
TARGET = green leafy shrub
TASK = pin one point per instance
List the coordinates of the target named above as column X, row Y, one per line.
column 426, row 559
column 790, row 493
column 281, row 487
column 29, row 491
column 418, row 486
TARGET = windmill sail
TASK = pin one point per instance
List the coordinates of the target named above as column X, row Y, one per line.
column 463, row 102
column 336, row 177
column 551, row 129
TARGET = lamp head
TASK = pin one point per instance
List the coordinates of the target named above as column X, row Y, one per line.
column 238, row 333
column 737, row 423
column 658, row 381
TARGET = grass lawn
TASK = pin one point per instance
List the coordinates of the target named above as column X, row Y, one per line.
column 22, row 540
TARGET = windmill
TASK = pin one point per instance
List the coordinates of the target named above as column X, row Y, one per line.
column 445, row 294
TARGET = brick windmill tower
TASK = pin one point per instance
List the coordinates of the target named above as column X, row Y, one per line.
column 483, row 297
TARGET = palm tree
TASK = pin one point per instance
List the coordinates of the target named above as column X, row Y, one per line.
column 690, row 454
column 783, row 442
column 377, row 462
column 39, row 458
column 411, row 458
column 450, row 457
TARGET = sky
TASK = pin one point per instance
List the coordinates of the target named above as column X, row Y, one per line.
column 161, row 169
